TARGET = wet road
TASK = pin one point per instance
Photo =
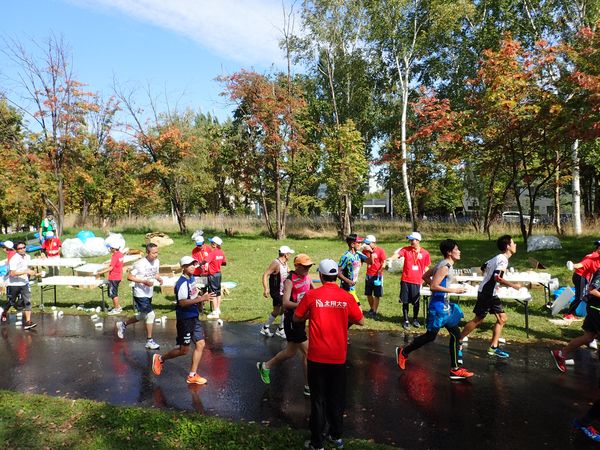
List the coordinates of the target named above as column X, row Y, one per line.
column 523, row 402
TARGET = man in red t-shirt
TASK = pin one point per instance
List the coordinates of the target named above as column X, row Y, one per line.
column 51, row 249
column 329, row 309
column 582, row 274
column 416, row 263
column 200, row 253
column 215, row 259
column 115, row 274
column 374, row 278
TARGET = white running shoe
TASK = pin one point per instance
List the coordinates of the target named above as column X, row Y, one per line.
column 266, row 332
column 280, row 332
column 120, row 326
column 593, row 345
column 213, row 315
column 115, row 311
column 150, row 344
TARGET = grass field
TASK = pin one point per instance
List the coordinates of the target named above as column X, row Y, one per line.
column 249, row 254
column 41, row 422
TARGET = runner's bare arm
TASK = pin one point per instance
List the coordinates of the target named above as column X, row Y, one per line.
column 287, row 295
column 272, row 269
column 439, row 276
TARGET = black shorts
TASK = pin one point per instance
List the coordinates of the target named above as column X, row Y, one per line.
column 113, row 288
column 214, row 283
column 487, row 304
column 294, row 331
column 371, row 289
column 409, row 292
column 277, row 300
column 188, row 331
column 19, row 297
column 143, row 305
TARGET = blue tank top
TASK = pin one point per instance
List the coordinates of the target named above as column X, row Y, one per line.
column 439, row 300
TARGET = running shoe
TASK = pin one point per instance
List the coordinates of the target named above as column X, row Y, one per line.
column 266, row 332
column 195, row 379
column 156, row 364
column 559, row 360
column 114, row 311
column 497, row 352
column 406, row 325
column 460, row 373
column 337, row 443
column 416, row 324
column 280, row 333
column 568, row 317
column 4, row 316
column 589, row 431
column 120, row 327
column 213, row 315
column 29, row 325
column 309, row 446
column 593, row 345
column 306, row 391
column 151, row 345
column 264, row 372
column 400, row 358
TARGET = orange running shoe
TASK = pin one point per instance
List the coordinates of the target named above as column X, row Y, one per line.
column 400, row 358
column 156, row 364
column 196, row 379
column 460, row 374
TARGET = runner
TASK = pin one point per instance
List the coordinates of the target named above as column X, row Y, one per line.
column 416, row 263
column 189, row 328
column 441, row 312
column 115, row 274
column 18, row 289
column 297, row 284
column 583, row 272
column 330, row 310
column 215, row 259
column 143, row 274
column 51, row 250
column 374, row 279
column 9, row 248
column 487, row 300
column 273, row 280
column 349, row 265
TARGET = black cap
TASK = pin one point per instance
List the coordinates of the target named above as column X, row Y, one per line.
column 597, row 243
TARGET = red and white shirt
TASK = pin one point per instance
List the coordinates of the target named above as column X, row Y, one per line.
column 378, row 257
column 215, row 260
column 415, row 263
column 52, row 247
column 200, row 253
column 116, row 262
column 591, row 263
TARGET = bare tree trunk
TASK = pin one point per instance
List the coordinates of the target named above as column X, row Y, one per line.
column 404, row 152
column 557, row 224
column 577, row 228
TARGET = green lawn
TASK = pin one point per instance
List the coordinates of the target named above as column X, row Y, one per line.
column 42, row 422
column 249, row 255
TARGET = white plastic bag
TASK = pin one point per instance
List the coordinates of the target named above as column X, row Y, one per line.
column 71, row 248
column 395, row 265
column 535, row 243
column 94, row 247
column 115, row 240
column 197, row 234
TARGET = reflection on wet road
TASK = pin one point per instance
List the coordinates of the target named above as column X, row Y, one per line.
column 522, row 402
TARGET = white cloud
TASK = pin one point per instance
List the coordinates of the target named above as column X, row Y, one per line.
column 246, row 31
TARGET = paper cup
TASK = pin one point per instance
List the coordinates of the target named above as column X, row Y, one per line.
column 157, row 321
column 53, row 308
column 98, row 309
column 219, row 322
column 502, row 340
column 60, row 314
column 94, row 317
column 18, row 323
column 98, row 324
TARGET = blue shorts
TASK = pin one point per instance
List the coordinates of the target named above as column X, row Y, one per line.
column 447, row 317
column 143, row 305
column 188, row 331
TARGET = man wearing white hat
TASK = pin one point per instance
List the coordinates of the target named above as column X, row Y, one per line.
column 200, row 253
column 273, row 280
column 215, row 259
column 416, row 263
column 374, row 278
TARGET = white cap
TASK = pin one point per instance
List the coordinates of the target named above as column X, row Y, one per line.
column 285, row 250
column 328, row 267
column 187, row 260
column 49, row 233
column 414, row 236
column 370, row 238
column 199, row 240
column 217, row 240
column 8, row 244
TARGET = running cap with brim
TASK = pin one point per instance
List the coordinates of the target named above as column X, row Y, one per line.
column 414, row 236
column 8, row 244
column 303, row 260
column 216, row 240
column 370, row 238
column 186, row 261
column 596, row 243
column 328, row 267
column 199, row 240
column 285, row 250
column 110, row 243
column 49, row 233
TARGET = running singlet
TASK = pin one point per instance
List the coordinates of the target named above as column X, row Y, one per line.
column 276, row 280
column 439, row 300
column 494, row 267
column 300, row 286
column 186, row 289
column 350, row 264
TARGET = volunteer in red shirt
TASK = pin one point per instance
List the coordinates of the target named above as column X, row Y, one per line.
column 115, row 274
column 215, row 259
column 416, row 263
column 9, row 248
column 200, row 253
column 330, row 310
column 374, row 280
column 582, row 274
column 51, row 250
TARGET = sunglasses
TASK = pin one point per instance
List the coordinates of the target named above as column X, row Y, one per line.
column 21, row 248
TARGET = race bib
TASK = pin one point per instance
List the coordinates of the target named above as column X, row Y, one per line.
column 415, row 267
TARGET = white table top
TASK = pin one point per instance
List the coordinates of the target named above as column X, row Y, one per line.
column 503, row 292
column 56, row 262
column 90, row 268
column 516, row 277
column 71, row 281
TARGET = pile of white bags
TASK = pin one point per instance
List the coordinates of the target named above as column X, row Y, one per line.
column 535, row 243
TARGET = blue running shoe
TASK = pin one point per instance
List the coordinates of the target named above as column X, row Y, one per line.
column 497, row 352
column 589, row 431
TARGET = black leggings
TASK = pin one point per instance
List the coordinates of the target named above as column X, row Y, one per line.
column 415, row 310
column 430, row 336
column 580, row 283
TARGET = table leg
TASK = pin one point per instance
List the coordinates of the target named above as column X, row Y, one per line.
column 54, row 295
column 42, row 297
column 527, row 318
column 102, row 290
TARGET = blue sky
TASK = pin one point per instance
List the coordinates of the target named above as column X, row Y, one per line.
column 176, row 47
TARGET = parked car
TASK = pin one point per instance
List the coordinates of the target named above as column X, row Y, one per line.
column 513, row 217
